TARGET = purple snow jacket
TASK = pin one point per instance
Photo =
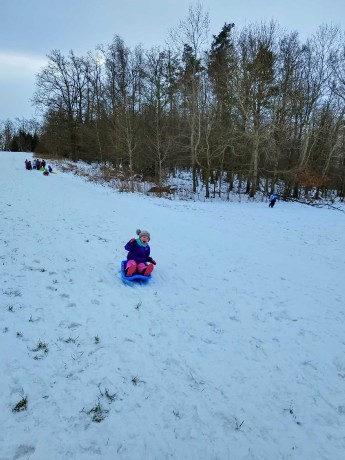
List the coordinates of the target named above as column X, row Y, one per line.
column 141, row 254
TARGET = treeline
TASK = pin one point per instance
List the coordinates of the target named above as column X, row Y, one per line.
column 20, row 135
column 255, row 105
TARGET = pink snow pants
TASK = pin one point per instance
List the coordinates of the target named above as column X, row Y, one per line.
column 140, row 267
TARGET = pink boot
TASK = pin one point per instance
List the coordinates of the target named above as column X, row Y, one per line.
column 131, row 268
column 148, row 270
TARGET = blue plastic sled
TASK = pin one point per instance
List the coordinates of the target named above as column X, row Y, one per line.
column 135, row 277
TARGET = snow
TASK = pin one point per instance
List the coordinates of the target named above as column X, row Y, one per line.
column 234, row 348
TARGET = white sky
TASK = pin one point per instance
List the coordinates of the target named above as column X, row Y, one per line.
column 31, row 29
column 242, row 321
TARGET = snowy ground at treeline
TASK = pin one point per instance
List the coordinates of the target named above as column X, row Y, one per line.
column 234, row 350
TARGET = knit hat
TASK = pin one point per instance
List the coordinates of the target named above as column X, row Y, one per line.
column 143, row 233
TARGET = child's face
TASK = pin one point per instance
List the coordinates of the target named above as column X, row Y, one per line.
column 144, row 239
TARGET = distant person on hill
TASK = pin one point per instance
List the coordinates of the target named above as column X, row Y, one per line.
column 139, row 255
column 38, row 164
column 45, row 172
column 273, row 198
column 50, row 169
column 43, row 163
column 28, row 164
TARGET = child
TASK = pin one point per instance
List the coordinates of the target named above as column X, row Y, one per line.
column 273, row 198
column 139, row 255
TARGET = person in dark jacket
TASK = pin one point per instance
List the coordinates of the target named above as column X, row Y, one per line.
column 138, row 257
column 273, row 198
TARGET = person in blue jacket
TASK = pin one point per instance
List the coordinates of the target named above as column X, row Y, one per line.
column 273, row 198
column 138, row 257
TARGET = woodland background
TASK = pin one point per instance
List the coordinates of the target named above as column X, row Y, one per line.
column 254, row 107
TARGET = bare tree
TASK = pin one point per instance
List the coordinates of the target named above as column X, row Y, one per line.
column 159, row 108
column 124, row 72
column 190, row 37
column 7, row 133
column 60, row 89
column 256, row 88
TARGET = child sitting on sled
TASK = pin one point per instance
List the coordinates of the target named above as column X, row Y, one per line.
column 139, row 255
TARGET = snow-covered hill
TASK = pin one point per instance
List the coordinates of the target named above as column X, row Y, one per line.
column 234, row 350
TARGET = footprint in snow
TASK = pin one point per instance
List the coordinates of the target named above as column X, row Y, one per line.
column 67, row 325
column 24, row 451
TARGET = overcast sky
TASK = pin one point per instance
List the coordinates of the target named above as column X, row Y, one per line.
column 30, row 29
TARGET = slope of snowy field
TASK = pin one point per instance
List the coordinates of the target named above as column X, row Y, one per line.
column 234, row 350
